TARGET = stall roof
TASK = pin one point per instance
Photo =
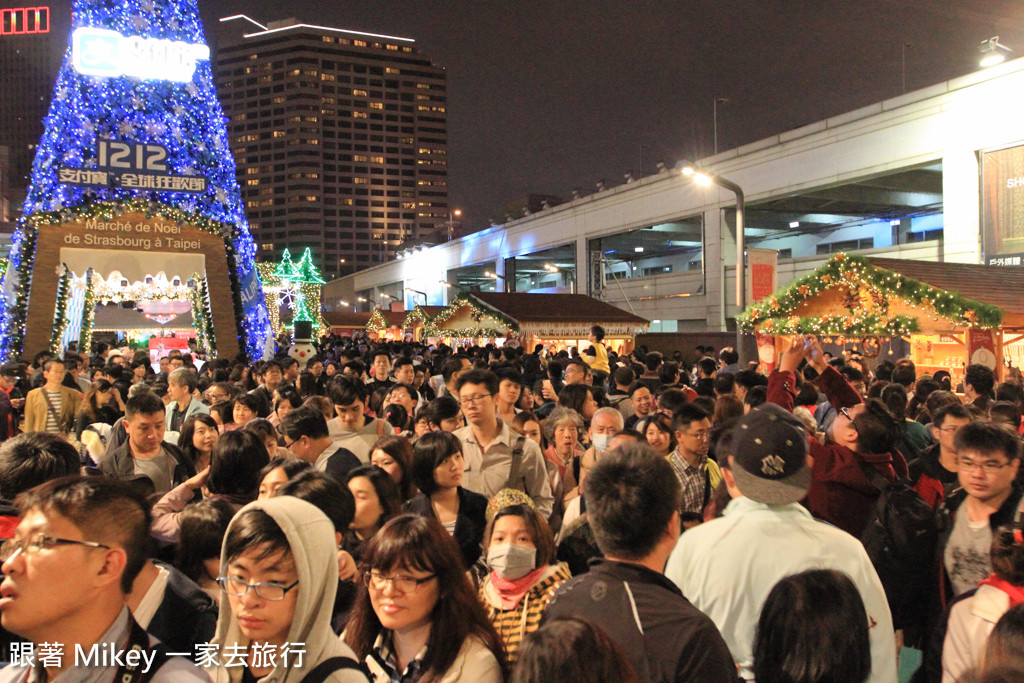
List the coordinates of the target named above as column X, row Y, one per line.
column 541, row 315
column 557, row 308
column 346, row 318
column 995, row 285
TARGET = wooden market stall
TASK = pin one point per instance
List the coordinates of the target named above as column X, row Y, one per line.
column 950, row 314
column 418, row 320
column 346, row 323
column 387, row 325
column 558, row 321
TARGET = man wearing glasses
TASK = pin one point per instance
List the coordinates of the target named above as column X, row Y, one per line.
column 496, row 456
column 99, row 528
column 862, row 437
column 697, row 474
column 988, row 458
column 935, row 473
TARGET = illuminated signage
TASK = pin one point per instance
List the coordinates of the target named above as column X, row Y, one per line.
column 22, row 20
column 106, row 53
column 131, row 167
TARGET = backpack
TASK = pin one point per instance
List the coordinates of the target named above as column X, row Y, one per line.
column 900, row 538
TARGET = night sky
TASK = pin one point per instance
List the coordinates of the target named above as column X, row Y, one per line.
column 547, row 96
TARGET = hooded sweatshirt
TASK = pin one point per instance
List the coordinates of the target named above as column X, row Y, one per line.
column 310, row 535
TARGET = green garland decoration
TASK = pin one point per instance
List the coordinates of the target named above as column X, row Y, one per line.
column 211, row 338
column 503, row 326
column 376, row 323
column 868, row 291
column 196, row 298
column 60, row 315
column 88, row 313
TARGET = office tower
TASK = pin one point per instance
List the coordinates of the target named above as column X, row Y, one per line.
column 340, row 139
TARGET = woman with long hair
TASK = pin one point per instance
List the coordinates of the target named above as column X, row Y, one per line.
column 417, row 608
column 437, row 469
column 198, row 437
column 377, row 501
column 197, row 555
column 96, row 407
column 393, row 454
column 520, row 553
column 233, row 475
column 813, row 627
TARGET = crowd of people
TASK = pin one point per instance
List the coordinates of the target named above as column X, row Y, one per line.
column 407, row 512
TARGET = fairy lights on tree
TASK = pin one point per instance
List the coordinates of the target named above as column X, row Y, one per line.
column 295, row 287
column 167, row 100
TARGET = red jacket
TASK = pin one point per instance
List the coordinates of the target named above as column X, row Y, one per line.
column 840, row 492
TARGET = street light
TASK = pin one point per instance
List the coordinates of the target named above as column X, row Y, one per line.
column 990, row 52
column 416, row 291
column 706, row 180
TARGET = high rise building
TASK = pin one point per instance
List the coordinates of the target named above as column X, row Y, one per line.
column 340, row 138
column 33, row 40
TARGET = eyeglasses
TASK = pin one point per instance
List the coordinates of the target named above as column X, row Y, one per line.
column 990, row 467
column 473, row 400
column 402, row 584
column 845, row 412
column 36, row 542
column 267, row 591
column 702, row 436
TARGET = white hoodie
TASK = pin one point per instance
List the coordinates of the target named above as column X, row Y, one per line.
column 310, row 535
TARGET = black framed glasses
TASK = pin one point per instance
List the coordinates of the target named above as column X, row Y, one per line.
column 267, row 591
column 9, row 547
column 403, row 584
column 845, row 412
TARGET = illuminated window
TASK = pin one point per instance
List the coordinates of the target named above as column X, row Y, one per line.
column 361, row 181
column 252, row 181
column 359, row 114
column 376, row 105
column 359, row 43
column 391, row 70
column 358, row 93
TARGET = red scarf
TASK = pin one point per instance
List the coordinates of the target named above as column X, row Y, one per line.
column 511, row 592
column 1016, row 593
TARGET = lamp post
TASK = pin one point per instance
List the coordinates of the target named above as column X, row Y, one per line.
column 707, row 180
column 416, row 291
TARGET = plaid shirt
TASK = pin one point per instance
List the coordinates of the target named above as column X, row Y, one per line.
column 693, row 479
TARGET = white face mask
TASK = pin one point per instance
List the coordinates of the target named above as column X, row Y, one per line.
column 601, row 442
column 510, row 561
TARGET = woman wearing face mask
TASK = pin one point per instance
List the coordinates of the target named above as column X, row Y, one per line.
column 437, row 470
column 520, row 552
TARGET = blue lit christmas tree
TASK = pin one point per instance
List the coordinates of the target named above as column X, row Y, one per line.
column 159, row 101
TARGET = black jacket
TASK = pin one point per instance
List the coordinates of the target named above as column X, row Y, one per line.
column 120, row 464
column 662, row 634
column 186, row 616
column 469, row 523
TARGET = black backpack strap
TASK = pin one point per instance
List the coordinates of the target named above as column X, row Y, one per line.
column 707, row 489
column 515, row 471
column 325, row 668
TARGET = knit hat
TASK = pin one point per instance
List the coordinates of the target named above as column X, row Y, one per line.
column 505, row 498
column 770, row 456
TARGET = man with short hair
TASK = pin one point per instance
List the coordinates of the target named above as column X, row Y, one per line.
column 935, row 473
column 596, row 355
column 290, row 370
column 352, row 429
column 10, row 373
column 618, row 394
column 381, row 364
column 404, row 371
column 705, row 383
column 642, row 402
column 633, row 510
column 606, row 423
column 729, row 360
column 727, row 566
column 306, row 434
column 698, row 475
column 53, row 406
column 26, row 461
column 576, row 372
column 145, row 452
column 725, row 384
column 181, row 387
column 979, row 383
column 496, row 456
column 272, row 376
column 988, row 458
column 99, row 530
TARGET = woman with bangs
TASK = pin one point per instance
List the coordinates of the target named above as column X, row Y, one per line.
column 416, row 617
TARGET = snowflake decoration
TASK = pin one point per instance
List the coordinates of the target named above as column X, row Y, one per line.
column 139, row 23
column 126, row 129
